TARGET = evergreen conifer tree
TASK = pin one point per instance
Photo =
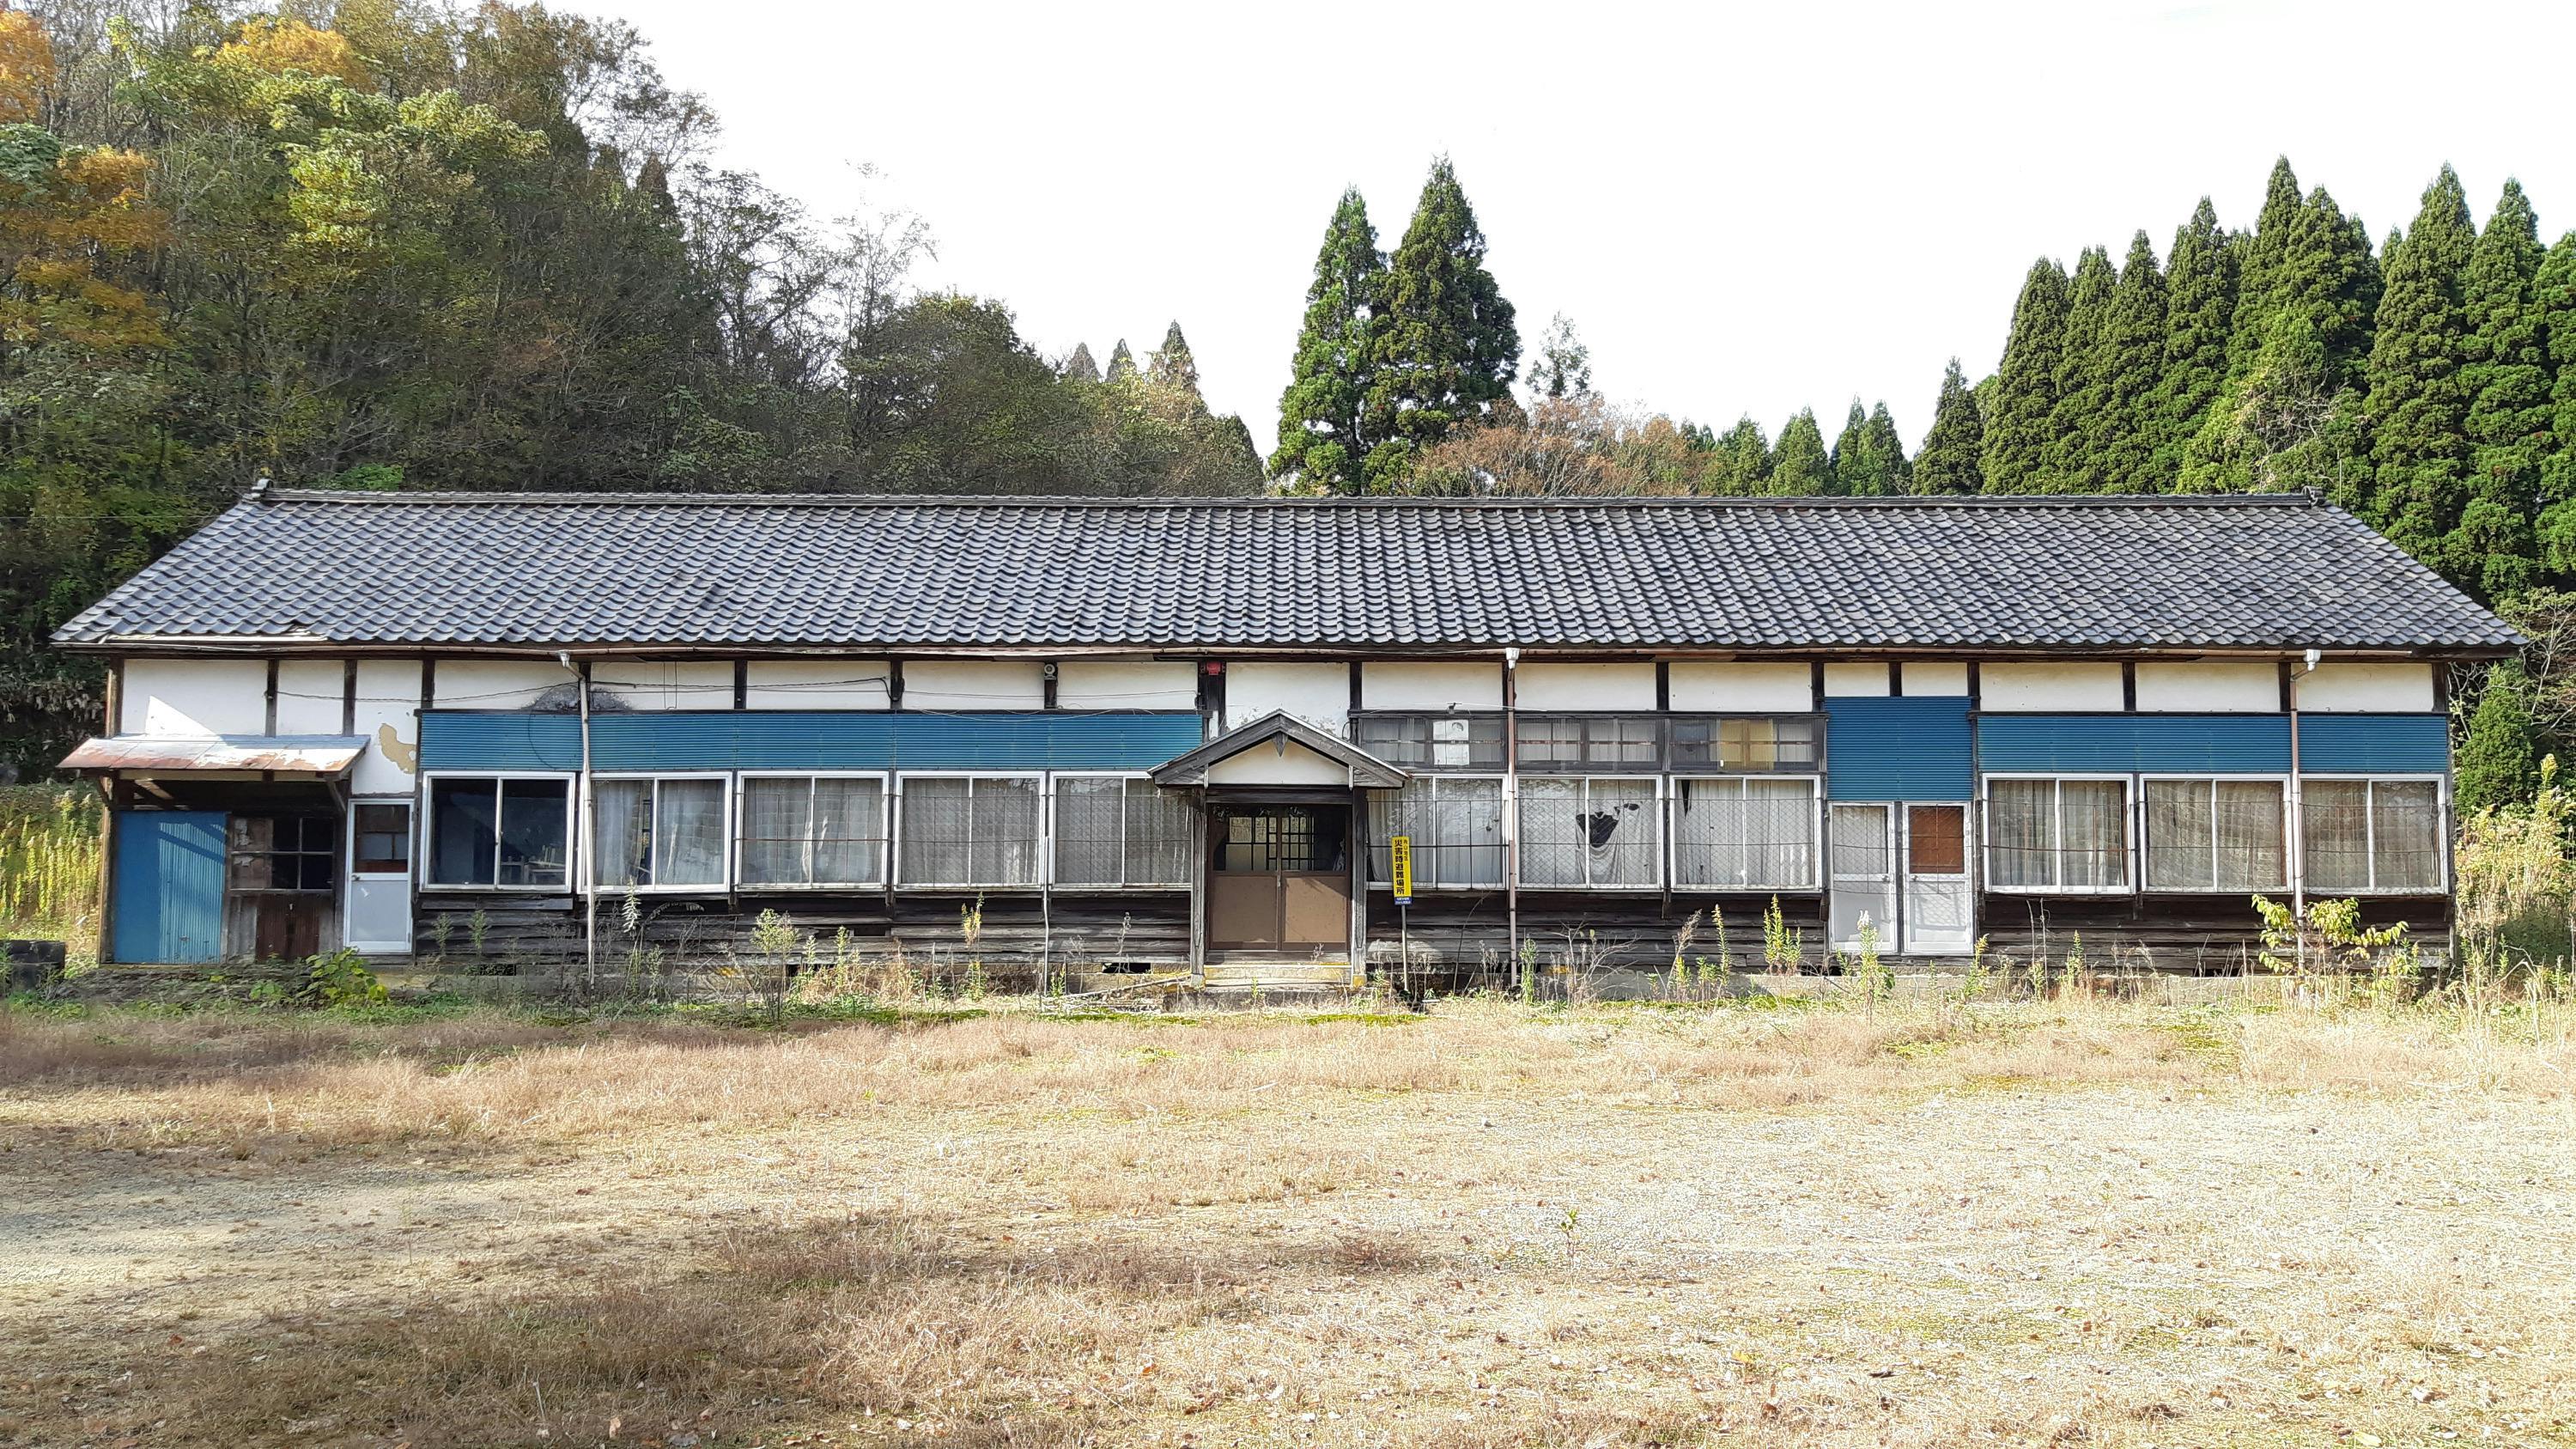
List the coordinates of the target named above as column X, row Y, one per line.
column 1173, row 369
column 1078, row 367
column 2128, row 370
column 2200, row 298
column 2023, row 392
column 1739, row 462
column 1849, row 464
column 1564, row 366
column 2070, row 458
column 1952, row 458
column 1122, row 364
column 1449, row 347
column 2418, row 401
column 2508, row 379
column 2499, row 761
column 2265, row 248
column 1886, row 447
column 1800, row 466
column 1321, row 437
column 2553, row 300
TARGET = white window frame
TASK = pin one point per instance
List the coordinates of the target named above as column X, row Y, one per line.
column 590, row 824
column 2370, row 826
column 1516, row 800
column 1045, row 841
column 424, row 849
column 2144, row 848
column 740, row 826
column 1985, row 832
column 1816, row 843
column 1047, row 833
column 1502, row 876
column 414, row 827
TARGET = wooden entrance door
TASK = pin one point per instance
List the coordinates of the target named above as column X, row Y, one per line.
column 1281, row 879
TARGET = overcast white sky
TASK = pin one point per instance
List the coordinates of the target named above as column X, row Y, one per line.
column 1743, row 208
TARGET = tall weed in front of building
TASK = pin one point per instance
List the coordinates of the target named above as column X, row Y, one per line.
column 49, row 866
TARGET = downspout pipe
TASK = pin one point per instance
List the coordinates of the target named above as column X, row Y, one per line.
column 580, row 863
column 1512, row 807
column 2298, row 851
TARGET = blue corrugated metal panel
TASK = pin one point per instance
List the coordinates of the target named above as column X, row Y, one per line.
column 495, row 739
column 2354, row 744
column 807, row 739
column 170, row 885
column 2227, row 744
column 1897, row 749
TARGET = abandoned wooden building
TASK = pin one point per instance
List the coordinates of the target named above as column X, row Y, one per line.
column 1171, row 732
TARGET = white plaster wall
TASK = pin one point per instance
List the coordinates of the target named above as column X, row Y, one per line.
column 1855, row 681
column 2050, row 688
column 1715, row 687
column 1935, row 680
column 815, row 684
column 2209, row 686
column 2367, row 689
column 1126, row 684
column 1319, row 694
column 1434, row 684
column 666, row 684
column 194, row 697
column 389, row 716
column 1586, row 686
column 1265, row 765
column 496, row 683
column 309, row 696
column 971, row 684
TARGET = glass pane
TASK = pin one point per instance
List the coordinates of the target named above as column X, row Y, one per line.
column 1090, row 829
column 2021, row 832
column 1466, row 834
column 777, row 816
column 1158, row 835
column 2334, row 834
column 1620, row 830
column 1551, row 835
column 2252, row 855
column 934, row 831
column 2178, row 836
column 461, row 831
column 1398, row 740
column 1936, row 839
column 1862, row 850
column 2095, row 851
column 621, row 832
column 1794, row 743
column 688, row 833
column 849, row 832
column 1405, row 812
column 383, row 840
column 533, row 847
column 1003, row 844
column 1711, row 833
column 1780, row 832
column 2406, row 821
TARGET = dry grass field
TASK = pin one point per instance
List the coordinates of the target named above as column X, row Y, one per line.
column 2062, row 1223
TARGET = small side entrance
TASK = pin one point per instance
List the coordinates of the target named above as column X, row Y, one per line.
column 1279, row 882
column 1904, row 868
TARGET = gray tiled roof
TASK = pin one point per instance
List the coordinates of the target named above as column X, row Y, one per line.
column 1987, row 573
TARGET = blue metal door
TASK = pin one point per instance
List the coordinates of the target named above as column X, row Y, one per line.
column 170, row 885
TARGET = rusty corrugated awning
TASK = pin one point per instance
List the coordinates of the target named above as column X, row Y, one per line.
column 323, row 756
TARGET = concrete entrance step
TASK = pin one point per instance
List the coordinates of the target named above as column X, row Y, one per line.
column 1302, row 974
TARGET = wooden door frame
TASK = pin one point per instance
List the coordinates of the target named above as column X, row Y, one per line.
column 1347, row 798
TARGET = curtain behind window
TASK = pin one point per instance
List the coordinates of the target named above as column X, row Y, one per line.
column 934, row 831
column 2406, row 820
column 2021, row 822
column 2334, row 832
column 776, row 817
column 2178, row 835
column 2251, row 853
column 688, row 833
column 1090, row 830
column 2095, row 851
column 621, row 833
column 849, row 830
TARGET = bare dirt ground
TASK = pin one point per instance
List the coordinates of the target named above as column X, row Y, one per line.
column 2057, row 1224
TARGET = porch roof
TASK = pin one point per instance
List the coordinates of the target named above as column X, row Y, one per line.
column 1279, row 729
column 321, row 756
